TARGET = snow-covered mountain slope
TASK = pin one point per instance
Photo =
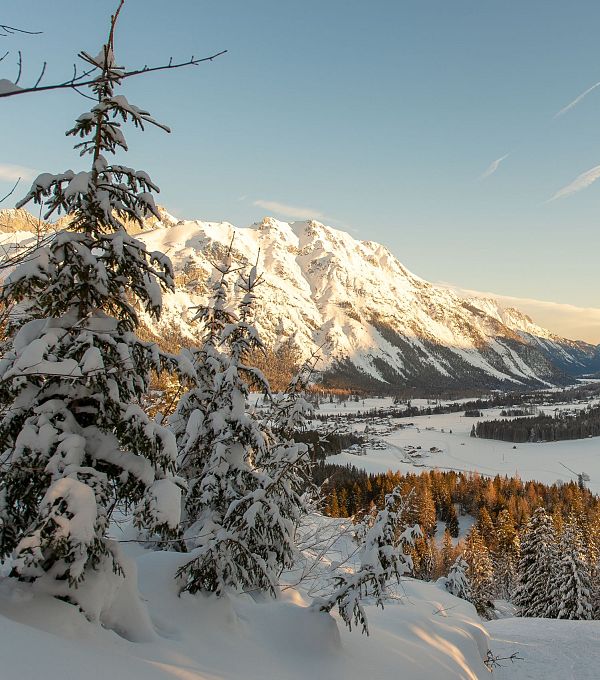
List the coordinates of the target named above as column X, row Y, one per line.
column 574, row 357
column 377, row 323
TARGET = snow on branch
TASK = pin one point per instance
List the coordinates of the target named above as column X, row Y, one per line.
column 381, row 558
column 83, row 79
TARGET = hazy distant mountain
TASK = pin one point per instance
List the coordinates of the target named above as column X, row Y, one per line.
column 377, row 323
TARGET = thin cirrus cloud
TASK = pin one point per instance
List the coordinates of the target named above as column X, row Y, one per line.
column 566, row 320
column 576, row 101
column 286, row 210
column 11, row 173
column 493, row 166
column 581, row 182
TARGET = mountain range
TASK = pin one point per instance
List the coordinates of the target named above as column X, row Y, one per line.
column 377, row 324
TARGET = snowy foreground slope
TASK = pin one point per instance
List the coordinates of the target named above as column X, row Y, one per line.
column 426, row 634
column 377, row 322
column 549, row 649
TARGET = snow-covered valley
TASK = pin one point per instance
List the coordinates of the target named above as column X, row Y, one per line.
column 454, row 449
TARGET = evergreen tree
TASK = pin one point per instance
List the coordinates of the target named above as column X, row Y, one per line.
column 506, row 554
column 247, row 478
column 452, row 524
column 457, row 581
column 572, row 588
column 424, row 555
column 480, row 571
column 75, row 441
column 537, row 567
column 193, row 421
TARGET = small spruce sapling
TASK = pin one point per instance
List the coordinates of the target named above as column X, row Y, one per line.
column 457, row 581
column 480, row 572
column 382, row 559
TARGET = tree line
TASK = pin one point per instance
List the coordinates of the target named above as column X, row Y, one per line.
column 534, row 544
column 542, row 428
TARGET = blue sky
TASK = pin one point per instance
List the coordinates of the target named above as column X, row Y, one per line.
column 377, row 117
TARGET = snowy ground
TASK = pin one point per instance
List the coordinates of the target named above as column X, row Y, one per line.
column 426, row 634
column 549, row 649
column 459, row 451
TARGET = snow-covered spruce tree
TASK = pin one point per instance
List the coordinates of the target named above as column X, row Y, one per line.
column 480, row 572
column 537, row 567
column 75, row 443
column 382, row 558
column 506, row 554
column 246, row 483
column 457, row 581
column 572, row 586
column 194, row 417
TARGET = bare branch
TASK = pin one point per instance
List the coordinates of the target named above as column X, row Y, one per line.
column 39, row 80
column 11, row 191
column 77, row 80
column 11, row 30
column 20, row 67
column 83, row 94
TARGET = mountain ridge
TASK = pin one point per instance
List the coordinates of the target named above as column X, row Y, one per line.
column 378, row 323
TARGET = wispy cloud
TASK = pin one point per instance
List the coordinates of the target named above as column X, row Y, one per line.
column 568, row 321
column 293, row 211
column 583, row 181
column 493, row 166
column 576, row 101
column 11, row 173
column 296, row 212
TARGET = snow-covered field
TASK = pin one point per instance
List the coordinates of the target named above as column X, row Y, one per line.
column 450, row 434
column 549, row 649
column 424, row 634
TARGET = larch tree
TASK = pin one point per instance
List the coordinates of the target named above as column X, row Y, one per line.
column 447, row 553
column 75, row 441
